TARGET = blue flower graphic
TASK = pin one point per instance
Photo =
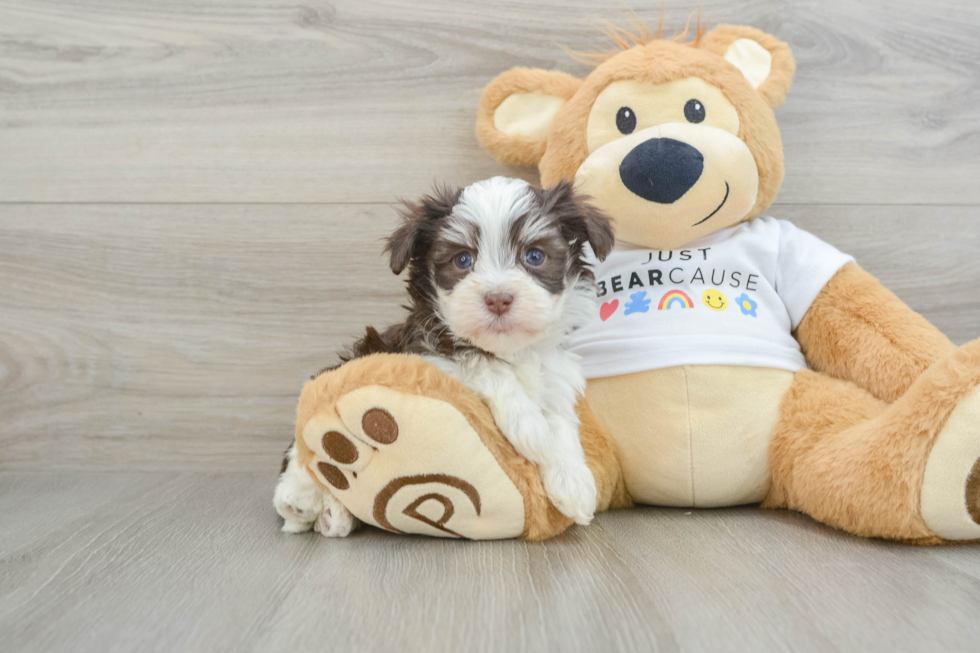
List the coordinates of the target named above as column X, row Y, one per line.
column 747, row 305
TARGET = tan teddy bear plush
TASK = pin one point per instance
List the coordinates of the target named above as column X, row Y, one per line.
column 732, row 359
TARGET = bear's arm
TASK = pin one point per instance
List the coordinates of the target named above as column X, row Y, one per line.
column 858, row 330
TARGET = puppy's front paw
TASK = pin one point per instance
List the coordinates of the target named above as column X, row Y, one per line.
column 571, row 487
column 335, row 520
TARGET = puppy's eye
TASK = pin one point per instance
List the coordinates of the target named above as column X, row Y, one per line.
column 463, row 260
column 626, row 120
column 534, row 257
column 694, row 111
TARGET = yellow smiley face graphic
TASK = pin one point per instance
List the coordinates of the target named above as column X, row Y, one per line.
column 714, row 300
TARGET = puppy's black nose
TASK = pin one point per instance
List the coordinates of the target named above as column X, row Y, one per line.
column 661, row 170
column 498, row 303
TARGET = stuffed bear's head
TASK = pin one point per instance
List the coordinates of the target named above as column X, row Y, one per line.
column 672, row 140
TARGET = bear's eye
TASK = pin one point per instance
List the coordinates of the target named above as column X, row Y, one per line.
column 694, row 111
column 626, row 120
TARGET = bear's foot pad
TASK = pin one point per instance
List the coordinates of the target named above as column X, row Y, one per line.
column 951, row 485
column 411, row 464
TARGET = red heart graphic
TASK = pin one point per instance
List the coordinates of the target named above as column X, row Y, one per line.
column 607, row 309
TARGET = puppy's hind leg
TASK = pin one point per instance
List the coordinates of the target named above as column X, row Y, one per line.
column 335, row 520
column 303, row 505
column 298, row 500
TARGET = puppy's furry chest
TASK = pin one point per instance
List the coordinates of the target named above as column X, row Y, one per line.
column 550, row 379
column 530, row 374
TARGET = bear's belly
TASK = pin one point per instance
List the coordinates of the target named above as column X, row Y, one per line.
column 694, row 435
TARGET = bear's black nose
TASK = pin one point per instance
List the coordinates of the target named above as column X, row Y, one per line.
column 661, row 169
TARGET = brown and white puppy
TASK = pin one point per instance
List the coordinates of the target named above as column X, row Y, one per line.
column 498, row 280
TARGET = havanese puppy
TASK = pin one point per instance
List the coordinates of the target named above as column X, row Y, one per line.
column 498, row 279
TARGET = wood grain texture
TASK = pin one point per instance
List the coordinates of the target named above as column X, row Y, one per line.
column 251, row 100
column 178, row 336
column 194, row 562
column 774, row 580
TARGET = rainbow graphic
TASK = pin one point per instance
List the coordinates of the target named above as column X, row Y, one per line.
column 675, row 299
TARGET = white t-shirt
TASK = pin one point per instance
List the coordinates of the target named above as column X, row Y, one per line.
column 731, row 298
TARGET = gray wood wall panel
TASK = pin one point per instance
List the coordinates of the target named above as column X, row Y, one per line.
column 178, row 336
column 252, row 100
column 142, row 327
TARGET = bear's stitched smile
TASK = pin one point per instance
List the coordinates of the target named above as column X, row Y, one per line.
column 727, row 189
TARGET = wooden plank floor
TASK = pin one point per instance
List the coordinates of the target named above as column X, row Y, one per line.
column 192, row 194
column 194, row 562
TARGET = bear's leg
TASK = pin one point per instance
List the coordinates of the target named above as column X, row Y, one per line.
column 907, row 471
column 408, row 449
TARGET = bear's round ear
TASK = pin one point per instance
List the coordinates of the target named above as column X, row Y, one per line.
column 516, row 111
column 765, row 61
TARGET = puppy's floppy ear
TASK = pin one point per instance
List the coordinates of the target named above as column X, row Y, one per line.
column 598, row 228
column 516, row 111
column 578, row 219
column 765, row 61
column 398, row 247
column 413, row 237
